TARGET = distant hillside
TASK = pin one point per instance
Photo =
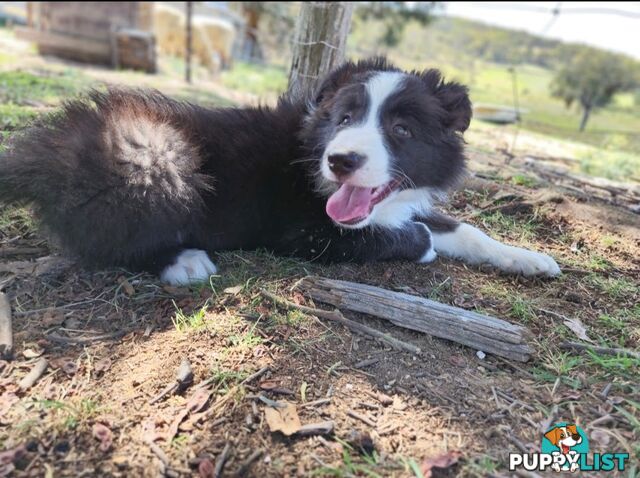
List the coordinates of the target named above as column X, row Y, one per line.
column 447, row 38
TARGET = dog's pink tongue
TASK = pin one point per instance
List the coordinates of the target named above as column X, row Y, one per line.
column 349, row 203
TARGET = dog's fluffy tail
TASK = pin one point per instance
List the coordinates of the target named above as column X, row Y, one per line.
column 111, row 176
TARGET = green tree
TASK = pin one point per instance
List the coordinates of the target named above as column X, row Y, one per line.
column 591, row 80
column 395, row 16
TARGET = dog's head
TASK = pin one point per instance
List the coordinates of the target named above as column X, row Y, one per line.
column 386, row 141
column 564, row 437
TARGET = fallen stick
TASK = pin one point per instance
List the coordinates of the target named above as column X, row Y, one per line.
column 34, row 375
column 6, row 331
column 481, row 332
column 337, row 316
column 221, row 460
column 600, row 350
column 53, row 337
column 184, row 378
column 321, row 428
column 246, row 464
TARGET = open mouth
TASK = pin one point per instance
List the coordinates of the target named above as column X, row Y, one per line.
column 353, row 204
column 565, row 449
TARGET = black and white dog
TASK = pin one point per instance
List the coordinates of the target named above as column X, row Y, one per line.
column 132, row 178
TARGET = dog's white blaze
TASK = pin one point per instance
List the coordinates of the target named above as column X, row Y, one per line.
column 475, row 247
column 367, row 139
column 191, row 266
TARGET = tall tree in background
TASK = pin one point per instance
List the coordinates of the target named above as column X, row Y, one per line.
column 319, row 42
column 592, row 79
column 395, row 16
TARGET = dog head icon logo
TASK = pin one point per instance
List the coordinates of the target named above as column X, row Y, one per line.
column 566, row 443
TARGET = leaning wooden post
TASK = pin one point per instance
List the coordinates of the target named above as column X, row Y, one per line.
column 189, row 42
column 319, row 42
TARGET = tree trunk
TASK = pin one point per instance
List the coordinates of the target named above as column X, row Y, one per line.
column 585, row 117
column 188, row 43
column 319, row 44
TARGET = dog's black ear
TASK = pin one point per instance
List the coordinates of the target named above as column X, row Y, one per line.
column 347, row 73
column 453, row 97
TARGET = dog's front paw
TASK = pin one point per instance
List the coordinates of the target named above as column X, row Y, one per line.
column 191, row 266
column 528, row 263
column 430, row 254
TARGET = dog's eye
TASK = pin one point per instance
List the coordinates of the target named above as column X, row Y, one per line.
column 346, row 119
column 401, row 131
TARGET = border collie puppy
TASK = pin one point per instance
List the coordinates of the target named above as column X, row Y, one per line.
column 132, row 178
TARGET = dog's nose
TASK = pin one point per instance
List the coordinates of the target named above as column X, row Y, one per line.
column 344, row 164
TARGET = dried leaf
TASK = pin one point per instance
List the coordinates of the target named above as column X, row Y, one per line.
column 198, row 400
column 578, row 328
column 600, row 436
column 126, row 286
column 102, row 365
column 235, row 290
column 283, row 419
column 445, row 460
column 69, row 367
column 206, row 469
column 9, row 456
column 104, row 435
column 269, row 384
column 30, row 353
column 173, row 429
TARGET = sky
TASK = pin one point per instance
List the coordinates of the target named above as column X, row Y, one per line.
column 610, row 25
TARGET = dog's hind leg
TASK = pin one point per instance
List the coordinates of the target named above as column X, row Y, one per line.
column 463, row 241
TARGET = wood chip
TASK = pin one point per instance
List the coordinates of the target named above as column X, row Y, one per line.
column 6, row 330
column 34, row 375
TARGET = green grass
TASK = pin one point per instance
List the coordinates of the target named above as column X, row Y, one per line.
column 70, row 415
column 616, row 288
column 187, row 322
column 20, row 87
column 524, row 180
column 522, row 309
column 261, row 80
column 510, row 226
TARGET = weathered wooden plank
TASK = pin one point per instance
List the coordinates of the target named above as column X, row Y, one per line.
column 482, row 332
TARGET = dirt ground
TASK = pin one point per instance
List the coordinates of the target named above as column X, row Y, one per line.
column 114, row 340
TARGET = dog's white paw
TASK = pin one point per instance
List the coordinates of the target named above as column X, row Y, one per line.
column 528, row 263
column 191, row 266
column 431, row 254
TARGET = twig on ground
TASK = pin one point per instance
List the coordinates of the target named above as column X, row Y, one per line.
column 184, row 377
column 321, row 428
column 366, row 363
column 316, row 403
column 221, row 460
column 7, row 252
column 246, row 464
column 337, row 316
column 84, row 340
column 600, row 350
column 6, row 331
column 249, row 379
column 159, row 452
column 34, row 375
column 362, row 418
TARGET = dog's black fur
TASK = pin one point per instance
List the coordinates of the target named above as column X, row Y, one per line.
column 130, row 178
